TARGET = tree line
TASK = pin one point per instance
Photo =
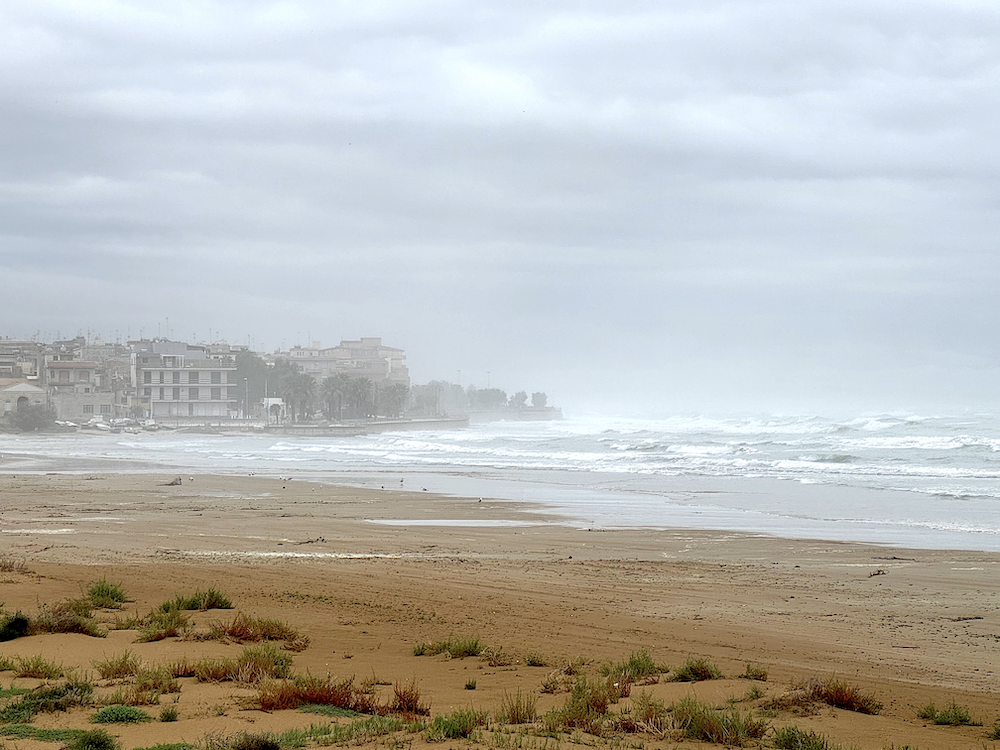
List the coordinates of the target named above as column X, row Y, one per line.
column 337, row 397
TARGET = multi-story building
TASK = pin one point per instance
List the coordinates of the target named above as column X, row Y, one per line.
column 363, row 358
column 76, row 390
column 177, row 380
column 20, row 359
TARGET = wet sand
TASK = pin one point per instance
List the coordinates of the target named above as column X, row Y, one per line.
column 368, row 573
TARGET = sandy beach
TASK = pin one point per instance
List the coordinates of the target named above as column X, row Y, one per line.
column 367, row 574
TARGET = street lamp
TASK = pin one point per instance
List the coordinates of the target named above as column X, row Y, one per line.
column 246, row 398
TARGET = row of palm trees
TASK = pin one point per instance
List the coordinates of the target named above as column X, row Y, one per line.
column 340, row 397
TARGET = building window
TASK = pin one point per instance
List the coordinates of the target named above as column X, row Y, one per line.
column 177, row 376
column 83, row 375
column 147, row 377
column 192, row 377
column 177, row 394
column 192, row 394
column 86, row 390
column 162, row 376
column 190, row 410
column 216, row 394
column 161, row 394
column 88, row 408
column 216, row 378
column 105, row 408
column 147, row 392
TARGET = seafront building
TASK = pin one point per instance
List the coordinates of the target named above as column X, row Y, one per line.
column 85, row 380
column 367, row 358
column 174, row 379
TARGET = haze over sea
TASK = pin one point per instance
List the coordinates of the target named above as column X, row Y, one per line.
column 913, row 481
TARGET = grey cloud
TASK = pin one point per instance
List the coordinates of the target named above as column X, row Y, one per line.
column 528, row 188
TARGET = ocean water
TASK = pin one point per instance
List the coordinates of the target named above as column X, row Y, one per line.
column 914, row 481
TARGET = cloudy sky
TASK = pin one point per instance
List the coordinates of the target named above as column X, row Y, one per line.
column 692, row 204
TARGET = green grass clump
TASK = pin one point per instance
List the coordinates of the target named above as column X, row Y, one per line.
column 46, row 699
column 699, row 721
column 367, row 730
column 519, row 708
column 648, row 715
column 96, row 739
column 754, row 672
column 106, row 595
column 38, row 667
column 535, row 660
column 331, row 711
column 454, row 726
column 840, row 694
column 169, row 746
column 159, row 625
column 118, row 667
column 793, row 738
column 586, row 708
column 470, row 684
column 168, row 713
column 200, row 600
column 293, row 738
column 69, row 616
column 696, row 670
column 14, row 626
column 120, row 715
column 638, row 666
column 156, row 680
column 31, row 732
column 954, row 715
column 456, row 648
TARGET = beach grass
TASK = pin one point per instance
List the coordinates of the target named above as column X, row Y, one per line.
column 697, row 720
column 119, row 667
column 840, row 694
column 120, row 714
column 952, row 715
column 517, row 708
column 106, row 595
column 696, row 670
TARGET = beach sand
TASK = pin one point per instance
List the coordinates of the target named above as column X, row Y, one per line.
column 368, row 573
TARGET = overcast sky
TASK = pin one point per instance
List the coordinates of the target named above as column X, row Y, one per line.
column 695, row 205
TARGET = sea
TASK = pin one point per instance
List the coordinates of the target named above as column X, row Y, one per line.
column 913, row 481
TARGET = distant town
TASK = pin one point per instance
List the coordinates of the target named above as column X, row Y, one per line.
column 158, row 383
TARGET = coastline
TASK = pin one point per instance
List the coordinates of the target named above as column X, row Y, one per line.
column 425, row 566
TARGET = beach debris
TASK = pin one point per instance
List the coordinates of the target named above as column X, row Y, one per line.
column 176, row 481
column 879, row 572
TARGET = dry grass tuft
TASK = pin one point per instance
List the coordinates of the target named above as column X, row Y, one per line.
column 840, row 694
column 699, row 721
column 519, row 708
column 406, row 700
column 118, row 667
column 11, row 564
column 495, row 656
column 245, row 628
column 68, row 616
column 305, row 690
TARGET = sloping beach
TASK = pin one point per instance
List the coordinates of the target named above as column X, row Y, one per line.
column 368, row 574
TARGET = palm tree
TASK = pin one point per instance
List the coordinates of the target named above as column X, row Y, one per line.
column 359, row 392
column 334, row 390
